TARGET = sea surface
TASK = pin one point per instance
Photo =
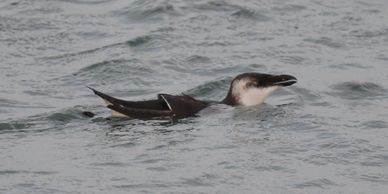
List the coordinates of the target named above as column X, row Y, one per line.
column 326, row 134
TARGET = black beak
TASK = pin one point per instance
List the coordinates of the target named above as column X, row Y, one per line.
column 284, row 80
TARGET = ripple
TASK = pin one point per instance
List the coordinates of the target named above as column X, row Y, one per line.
column 149, row 42
column 215, row 5
column 344, row 66
column 148, row 10
column 117, row 71
column 15, row 125
column 373, row 34
column 210, row 89
column 139, row 41
column 290, row 8
column 357, row 90
column 87, row 2
column 296, row 60
column 320, row 183
column 309, row 96
column 10, row 172
column 44, row 122
column 375, row 125
column 250, row 14
column 66, row 116
column 113, row 164
column 195, row 59
column 326, row 42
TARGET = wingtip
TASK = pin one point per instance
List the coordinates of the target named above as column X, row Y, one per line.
column 91, row 89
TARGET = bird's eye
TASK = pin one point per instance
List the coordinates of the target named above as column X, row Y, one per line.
column 251, row 84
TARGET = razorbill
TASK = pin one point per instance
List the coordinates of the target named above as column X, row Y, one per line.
column 247, row 89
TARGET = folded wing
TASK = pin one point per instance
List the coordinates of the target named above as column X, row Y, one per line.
column 164, row 106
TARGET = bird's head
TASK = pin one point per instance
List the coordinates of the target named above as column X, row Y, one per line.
column 249, row 89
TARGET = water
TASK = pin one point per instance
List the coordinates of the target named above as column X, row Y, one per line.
column 326, row 134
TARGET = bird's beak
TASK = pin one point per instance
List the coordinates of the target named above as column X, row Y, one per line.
column 283, row 80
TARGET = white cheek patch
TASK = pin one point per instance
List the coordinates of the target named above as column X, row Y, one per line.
column 255, row 96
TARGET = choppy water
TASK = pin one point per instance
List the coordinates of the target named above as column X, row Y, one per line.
column 326, row 134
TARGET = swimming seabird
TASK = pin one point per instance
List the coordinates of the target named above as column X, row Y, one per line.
column 247, row 89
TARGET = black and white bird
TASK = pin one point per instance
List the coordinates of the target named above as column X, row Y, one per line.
column 247, row 89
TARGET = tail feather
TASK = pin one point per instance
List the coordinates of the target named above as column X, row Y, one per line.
column 109, row 100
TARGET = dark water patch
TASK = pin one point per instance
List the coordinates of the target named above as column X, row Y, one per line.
column 125, row 144
column 216, row 5
column 196, row 182
column 346, row 66
column 15, row 125
column 111, row 164
column 158, row 169
column 167, row 29
column 139, row 41
column 377, row 124
column 66, row 116
column 195, row 59
column 150, row 42
column 44, row 122
column 372, row 34
column 12, row 172
column 269, row 168
column 143, row 186
column 357, row 90
column 325, row 41
column 375, row 177
column 320, row 183
column 86, row 2
column 12, row 103
column 148, row 10
column 376, row 160
column 37, row 92
column 382, row 57
column 246, row 13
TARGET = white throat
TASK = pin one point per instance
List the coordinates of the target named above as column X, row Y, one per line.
column 250, row 96
column 255, row 96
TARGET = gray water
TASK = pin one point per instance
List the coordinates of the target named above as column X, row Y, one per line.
column 325, row 134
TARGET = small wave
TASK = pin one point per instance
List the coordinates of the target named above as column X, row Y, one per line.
column 375, row 125
column 146, row 10
column 320, row 183
column 87, row 2
column 198, row 59
column 139, row 41
column 43, row 122
column 326, row 42
column 310, row 97
column 117, row 71
column 216, row 6
column 149, row 42
column 349, row 66
column 250, row 14
column 356, row 90
column 210, row 89
column 373, row 34
column 10, row 172
column 290, row 8
column 295, row 60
